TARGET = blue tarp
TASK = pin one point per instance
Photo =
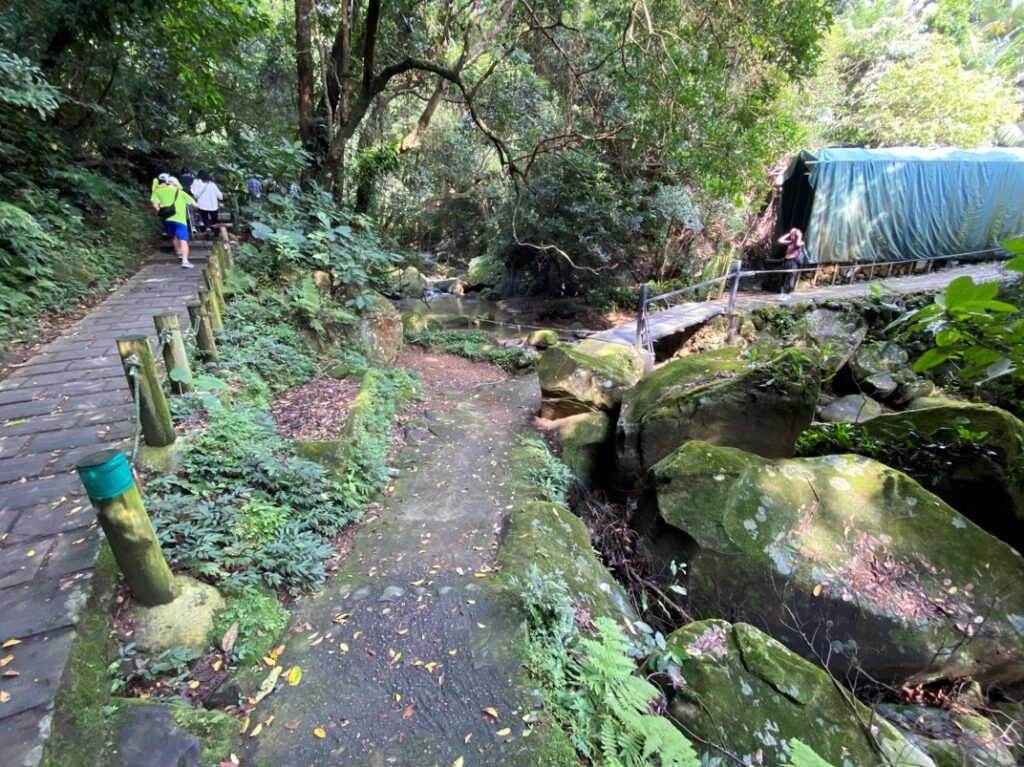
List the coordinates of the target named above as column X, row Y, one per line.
column 906, row 203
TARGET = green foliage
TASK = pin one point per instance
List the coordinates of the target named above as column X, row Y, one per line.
column 260, row 620
column 476, row 346
column 802, row 755
column 261, row 352
column 592, row 687
column 244, row 510
column 308, row 231
column 132, row 669
column 553, row 478
column 981, row 336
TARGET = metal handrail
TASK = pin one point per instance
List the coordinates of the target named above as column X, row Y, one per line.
column 644, row 343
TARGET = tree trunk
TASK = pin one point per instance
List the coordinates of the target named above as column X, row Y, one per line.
column 304, row 70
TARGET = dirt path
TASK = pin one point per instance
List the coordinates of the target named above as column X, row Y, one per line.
column 410, row 642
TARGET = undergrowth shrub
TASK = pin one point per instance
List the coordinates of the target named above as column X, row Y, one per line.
column 260, row 620
column 244, row 510
column 476, row 346
column 552, row 477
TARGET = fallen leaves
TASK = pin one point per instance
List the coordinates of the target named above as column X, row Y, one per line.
column 407, row 711
column 227, row 642
column 294, row 676
column 320, row 732
column 491, row 712
column 458, row 762
column 4, row 696
column 10, row 643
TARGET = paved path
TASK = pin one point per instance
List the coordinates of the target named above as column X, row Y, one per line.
column 686, row 315
column 71, row 398
column 407, row 646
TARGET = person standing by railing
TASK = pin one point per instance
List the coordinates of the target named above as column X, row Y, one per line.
column 794, row 242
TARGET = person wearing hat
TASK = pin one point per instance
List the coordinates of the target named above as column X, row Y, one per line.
column 171, row 202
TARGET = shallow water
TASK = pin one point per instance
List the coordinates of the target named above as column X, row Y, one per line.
column 464, row 312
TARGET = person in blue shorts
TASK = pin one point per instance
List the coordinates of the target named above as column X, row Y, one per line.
column 169, row 197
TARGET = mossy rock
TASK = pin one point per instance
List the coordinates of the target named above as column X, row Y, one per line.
column 880, row 574
column 834, row 335
column 143, row 732
column 747, row 695
column 587, row 377
column 378, row 331
column 411, row 283
column 184, row 622
column 588, row 444
column 719, row 398
column 981, row 477
column 557, row 542
column 486, row 275
column 950, row 739
column 542, row 339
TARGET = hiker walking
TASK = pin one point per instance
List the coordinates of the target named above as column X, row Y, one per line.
column 255, row 187
column 794, row 242
column 207, row 196
column 171, row 203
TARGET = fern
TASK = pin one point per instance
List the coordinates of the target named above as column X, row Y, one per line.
column 802, row 755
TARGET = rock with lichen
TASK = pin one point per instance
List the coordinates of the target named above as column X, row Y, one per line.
column 720, row 398
column 586, row 377
column 744, row 694
column 550, row 534
column 842, row 559
column 587, row 442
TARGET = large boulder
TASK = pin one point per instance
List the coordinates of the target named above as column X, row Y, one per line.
column 589, row 376
column 833, row 334
column 951, row 739
column 744, row 694
column 969, row 455
column 552, row 537
column 719, row 398
column 378, row 331
column 587, row 442
column 486, row 275
column 840, row 557
column 878, row 358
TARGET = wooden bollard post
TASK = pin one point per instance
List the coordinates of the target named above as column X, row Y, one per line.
column 175, row 356
column 222, row 255
column 137, row 358
column 213, row 285
column 209, row 303
column 111, row 488
column 204, row 333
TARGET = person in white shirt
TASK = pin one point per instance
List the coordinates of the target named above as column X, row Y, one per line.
column 207, row 197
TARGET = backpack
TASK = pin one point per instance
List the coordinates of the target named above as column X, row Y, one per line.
column 167, row 211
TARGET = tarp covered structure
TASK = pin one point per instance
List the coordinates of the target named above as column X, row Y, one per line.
column 903, row 203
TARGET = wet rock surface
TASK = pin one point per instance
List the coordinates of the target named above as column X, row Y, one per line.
column 588, row 376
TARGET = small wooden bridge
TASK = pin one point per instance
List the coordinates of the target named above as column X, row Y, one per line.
column 654, row 324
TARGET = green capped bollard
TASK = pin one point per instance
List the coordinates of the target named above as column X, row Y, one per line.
column 111, row 488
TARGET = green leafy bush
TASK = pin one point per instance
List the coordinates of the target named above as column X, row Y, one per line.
column 553, row 478
column 260, row 620
column 244, row 510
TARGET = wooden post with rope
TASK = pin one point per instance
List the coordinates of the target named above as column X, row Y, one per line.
column 110, row 485
column 204, row 333
column 175, row 357
column 150, row 402
column 215, row 281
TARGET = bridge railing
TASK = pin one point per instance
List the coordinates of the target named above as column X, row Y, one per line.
column 842, row 273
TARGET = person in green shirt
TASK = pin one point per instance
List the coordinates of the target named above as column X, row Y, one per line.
column 168, row 193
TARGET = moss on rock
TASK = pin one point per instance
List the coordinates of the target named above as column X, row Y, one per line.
column 879, row 573
column 718, row 398
column 747, row 695
column 186, row 621
column 587, row 442
column 970, row 455
column 554, row 539
column 586, row 377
